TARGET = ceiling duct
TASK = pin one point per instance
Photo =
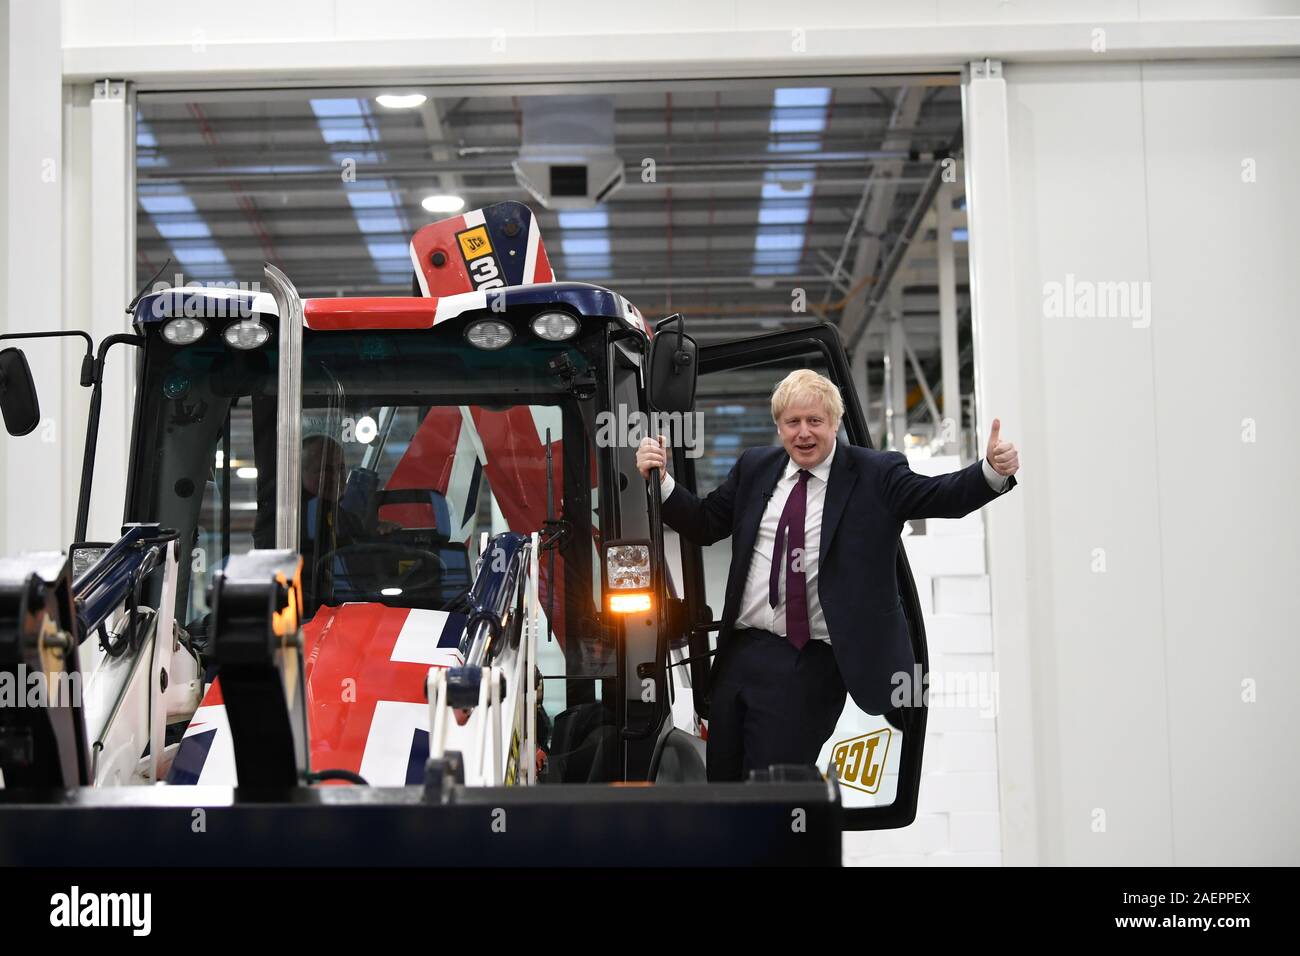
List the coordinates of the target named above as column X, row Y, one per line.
column 567, row 160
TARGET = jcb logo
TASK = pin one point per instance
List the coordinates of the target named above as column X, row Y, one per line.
column 860, row 761
column 474, row 243
column 484, row 270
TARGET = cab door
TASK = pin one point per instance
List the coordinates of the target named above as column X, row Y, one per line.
column 876, row 758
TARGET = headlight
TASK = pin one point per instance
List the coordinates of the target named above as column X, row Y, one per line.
column 627, row 566
column 248, row 334
column 555, row 326
column 627, row 577
column 183, row 331
column 489, row 334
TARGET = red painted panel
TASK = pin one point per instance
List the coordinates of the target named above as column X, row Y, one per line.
column 394, row 312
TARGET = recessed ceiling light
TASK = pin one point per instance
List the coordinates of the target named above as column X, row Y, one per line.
column 443, row 203
column 401, row 101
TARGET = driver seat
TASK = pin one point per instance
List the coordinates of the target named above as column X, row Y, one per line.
column 679, row 757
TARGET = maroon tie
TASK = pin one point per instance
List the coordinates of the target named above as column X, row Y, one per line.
column 790, row 527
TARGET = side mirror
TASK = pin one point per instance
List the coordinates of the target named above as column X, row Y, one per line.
column 22, row 411
column 673, row 368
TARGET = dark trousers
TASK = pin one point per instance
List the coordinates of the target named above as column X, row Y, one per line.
column 771, row 704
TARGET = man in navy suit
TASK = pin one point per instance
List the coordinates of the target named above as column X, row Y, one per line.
column 812, row 604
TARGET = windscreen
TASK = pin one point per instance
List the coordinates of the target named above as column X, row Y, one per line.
column 414, row 443
column 412, row 451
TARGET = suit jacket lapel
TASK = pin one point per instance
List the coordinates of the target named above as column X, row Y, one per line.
column 844, row 475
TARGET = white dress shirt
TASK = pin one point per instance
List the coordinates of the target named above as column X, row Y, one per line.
column 754, row 608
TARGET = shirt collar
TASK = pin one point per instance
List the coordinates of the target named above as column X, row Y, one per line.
column 822, row 471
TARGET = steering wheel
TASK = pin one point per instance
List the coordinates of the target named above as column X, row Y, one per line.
column 425, row 558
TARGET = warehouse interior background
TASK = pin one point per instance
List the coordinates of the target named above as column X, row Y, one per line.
column 938, row 180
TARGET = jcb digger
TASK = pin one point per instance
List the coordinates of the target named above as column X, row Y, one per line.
column 390, row 590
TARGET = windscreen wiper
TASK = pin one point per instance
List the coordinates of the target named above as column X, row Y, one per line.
column 460, row 604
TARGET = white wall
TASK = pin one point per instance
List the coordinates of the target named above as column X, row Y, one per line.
column 34, row 468
column 1161, row 542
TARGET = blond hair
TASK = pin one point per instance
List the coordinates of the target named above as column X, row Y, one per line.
column 804, row 386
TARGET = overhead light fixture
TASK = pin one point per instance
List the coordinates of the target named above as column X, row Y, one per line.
column 401, row 101
column 443, row 203
column 366, row 429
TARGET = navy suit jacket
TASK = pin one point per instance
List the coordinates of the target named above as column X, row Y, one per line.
column 869, row 495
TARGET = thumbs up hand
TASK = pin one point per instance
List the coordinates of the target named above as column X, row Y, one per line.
column 1002, row 455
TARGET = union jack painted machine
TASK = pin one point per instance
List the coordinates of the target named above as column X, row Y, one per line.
column 387, row 568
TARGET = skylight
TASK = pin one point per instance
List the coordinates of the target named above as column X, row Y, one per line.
column 796, row 125
column 376, row 205
column 584, row 240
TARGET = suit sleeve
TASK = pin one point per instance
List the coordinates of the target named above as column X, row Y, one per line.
column 707, row 521
column 954, row 495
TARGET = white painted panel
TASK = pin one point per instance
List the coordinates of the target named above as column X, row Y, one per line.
column 1079, row 185
column 30, row 279
column 967, row 594
column 399, row 41
column 945, row 554
column 1226, row 341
